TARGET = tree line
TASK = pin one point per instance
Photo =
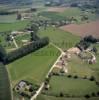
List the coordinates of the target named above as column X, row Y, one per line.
column 24, row 50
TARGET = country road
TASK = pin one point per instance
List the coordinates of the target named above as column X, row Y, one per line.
column 42, row 85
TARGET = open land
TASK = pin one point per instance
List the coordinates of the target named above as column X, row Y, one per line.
column 82, row 30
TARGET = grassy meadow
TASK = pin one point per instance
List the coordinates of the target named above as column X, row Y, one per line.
column 69, row 12
column 61, row 38
column 76, row 87
column 13, row 26
column 34, row 66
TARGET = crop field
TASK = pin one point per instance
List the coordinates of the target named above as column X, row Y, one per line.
column 83, row 29
column 69, row 85
column 31, row 67
column 61, row 38
column 13, row 26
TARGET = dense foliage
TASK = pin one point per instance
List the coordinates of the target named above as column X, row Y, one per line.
column 33, row 46
column 2, row 53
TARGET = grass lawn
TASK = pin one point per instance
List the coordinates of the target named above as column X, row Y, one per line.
column 4, row 43
column 22, row 37
column 61, row 38
column 76, row 87
column 8, row 18
column 34, row 66
column 76, row 66
column 13, row 26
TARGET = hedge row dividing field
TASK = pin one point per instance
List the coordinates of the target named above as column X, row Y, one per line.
column 5, row 92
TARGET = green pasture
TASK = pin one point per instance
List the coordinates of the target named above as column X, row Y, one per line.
column 61, row 38
column 13, row 26
column 34, row 66
column 70, row 86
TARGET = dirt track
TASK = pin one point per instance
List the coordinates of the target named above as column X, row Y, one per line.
column 82, row 30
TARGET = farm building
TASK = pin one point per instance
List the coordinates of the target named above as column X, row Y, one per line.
column 16, row 33
column 74, row 50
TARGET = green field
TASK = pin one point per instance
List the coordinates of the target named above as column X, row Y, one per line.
column 34, row 66
column 68, row 13
column 61, row 38
column 5, row 92
column 13, row 26
column 8, row 18
column 45, row 97
column 77, row 66
column 70, row 86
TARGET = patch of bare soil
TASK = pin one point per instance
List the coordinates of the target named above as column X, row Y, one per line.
column 56, row 9
column 82, row 30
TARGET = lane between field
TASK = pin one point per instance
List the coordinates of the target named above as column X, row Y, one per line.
column 42, row 85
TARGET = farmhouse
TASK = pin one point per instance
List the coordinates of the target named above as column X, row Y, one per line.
column 26, row 15
column 23, row 16
column 16, row 33
column 74, row 50
column 24, row 88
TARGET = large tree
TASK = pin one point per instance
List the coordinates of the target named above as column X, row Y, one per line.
column 2, row 53
column 34, row 27
column 34, row 36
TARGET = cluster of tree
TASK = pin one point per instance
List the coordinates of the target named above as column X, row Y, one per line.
column 18, row 53
column 33, row 46
column 84, row 18
column 34, row 29
column 19, row 16
column 3, row 53
column 83, row 45
column 90, row 39
column 7, row 12
column 86, row 41
column 34, row 37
